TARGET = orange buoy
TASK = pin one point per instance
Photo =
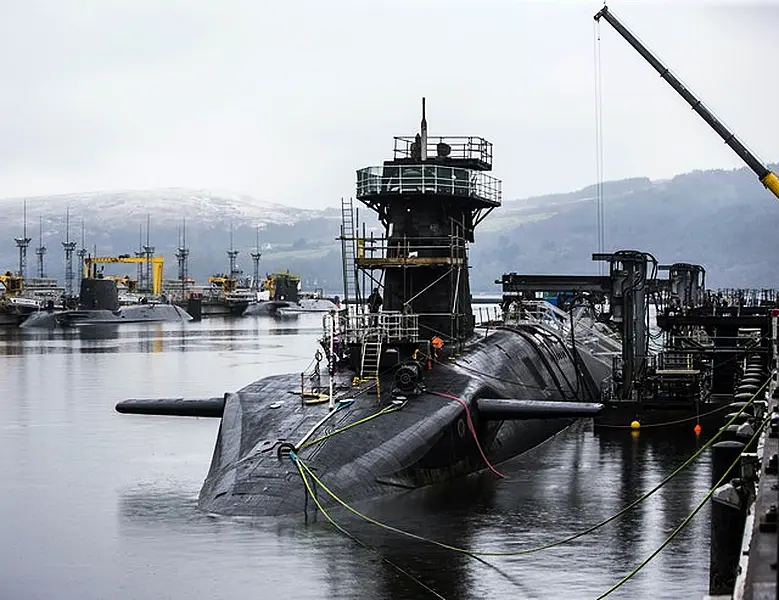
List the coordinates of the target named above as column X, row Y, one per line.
column 697, row 429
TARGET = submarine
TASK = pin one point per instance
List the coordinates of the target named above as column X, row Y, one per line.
column 99, row 305
column 415, row 391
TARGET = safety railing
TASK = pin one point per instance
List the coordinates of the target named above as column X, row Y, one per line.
column 454, row 147
column 429, row 179
column 452, row 246
column 672, row 361
column 394, row 326
column 587, row 333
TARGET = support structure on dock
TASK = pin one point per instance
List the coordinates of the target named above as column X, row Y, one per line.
column 256, row 255
column 68, row 247
column 232, row 255
column 40, row 251
column 626, row 288
column 22, row 243
column 182, row 256
column 82, row 253
column 629, row 312
column 148, row 255
column 699, row 336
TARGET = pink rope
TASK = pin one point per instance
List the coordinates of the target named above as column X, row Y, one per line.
column 473, row 430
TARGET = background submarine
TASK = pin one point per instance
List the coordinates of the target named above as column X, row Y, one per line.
column 416, row 393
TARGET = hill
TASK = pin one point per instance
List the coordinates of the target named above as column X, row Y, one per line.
column 724, row 220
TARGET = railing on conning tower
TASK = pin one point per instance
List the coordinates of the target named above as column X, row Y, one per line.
column 393, row 326
column 472, row 149
column 428, row 179
column 404, row 251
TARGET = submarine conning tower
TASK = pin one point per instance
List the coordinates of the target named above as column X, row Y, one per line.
column 430, row 197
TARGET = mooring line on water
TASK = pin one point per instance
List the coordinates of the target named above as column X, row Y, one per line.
column 351, row 536
column 666, row 423
column 689, row 517
column 476, row 553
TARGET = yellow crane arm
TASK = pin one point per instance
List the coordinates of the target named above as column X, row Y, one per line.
column 767, row 177
column 156, row 261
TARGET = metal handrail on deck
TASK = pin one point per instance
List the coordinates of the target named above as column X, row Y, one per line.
column 394, row 326
column 429, row 179
column 602, row 345
column 452, row 246
column 458, row 147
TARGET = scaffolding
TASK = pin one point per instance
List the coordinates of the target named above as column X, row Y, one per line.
column 367, row 253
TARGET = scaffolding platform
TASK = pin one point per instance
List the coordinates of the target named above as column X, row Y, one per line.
column 402, row 261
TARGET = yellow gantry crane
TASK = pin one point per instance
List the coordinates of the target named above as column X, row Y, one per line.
column 767, row 177
column 157, row 262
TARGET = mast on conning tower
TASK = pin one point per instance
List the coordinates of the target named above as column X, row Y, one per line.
column 423, row 134
column 429, row 197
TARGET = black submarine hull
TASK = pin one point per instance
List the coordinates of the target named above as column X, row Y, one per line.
column 140, row 313
column 427, row 440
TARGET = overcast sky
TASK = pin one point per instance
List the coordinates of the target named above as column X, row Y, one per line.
column 284, row 99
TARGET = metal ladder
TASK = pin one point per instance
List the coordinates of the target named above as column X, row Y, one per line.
column 371, row 353
column 348, row 242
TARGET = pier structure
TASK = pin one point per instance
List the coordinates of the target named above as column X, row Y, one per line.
column 625, row 291
column 685, row 360
column 717, row 351
column 744, row 544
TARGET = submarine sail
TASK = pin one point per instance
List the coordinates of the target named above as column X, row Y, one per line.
column 419, row 392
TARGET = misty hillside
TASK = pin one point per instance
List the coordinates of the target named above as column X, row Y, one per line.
column 724, row 220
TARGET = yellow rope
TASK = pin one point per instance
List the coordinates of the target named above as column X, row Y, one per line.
column 548, row 546
column 687, row 519
column 346, row 533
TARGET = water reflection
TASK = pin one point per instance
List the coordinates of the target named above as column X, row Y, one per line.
column 566, row 485
column 120, row 491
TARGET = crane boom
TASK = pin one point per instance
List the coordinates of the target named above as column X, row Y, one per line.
column 157, row 263
column 767, row 177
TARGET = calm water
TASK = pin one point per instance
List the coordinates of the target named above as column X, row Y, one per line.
column 100, row 505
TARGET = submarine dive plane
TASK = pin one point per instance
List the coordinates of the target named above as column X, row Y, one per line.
column 416, row 392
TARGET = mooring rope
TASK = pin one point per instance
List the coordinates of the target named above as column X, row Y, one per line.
column 475, row 553
column 351, row 536
column 689, row 517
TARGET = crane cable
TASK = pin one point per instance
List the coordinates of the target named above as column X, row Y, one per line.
column 689, row 517
column 474, row 553
column 599, row 208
